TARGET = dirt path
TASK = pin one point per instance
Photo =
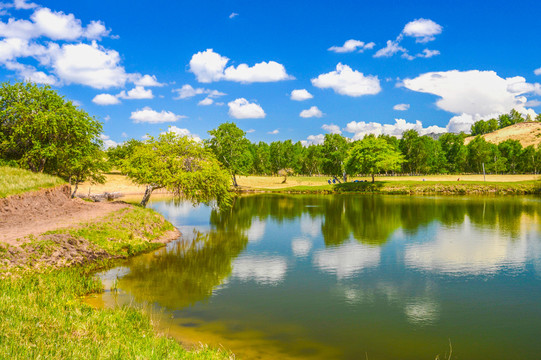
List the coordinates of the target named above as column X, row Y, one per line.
column 46, row 210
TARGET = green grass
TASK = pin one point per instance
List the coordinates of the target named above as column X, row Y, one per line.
column 417, row 187
column 15, row 181
column 43, row 317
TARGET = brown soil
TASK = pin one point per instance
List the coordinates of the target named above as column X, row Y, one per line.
column 45, row 210
column 528, row 133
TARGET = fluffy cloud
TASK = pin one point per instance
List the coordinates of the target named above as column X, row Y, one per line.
column 107, row 142
column 352, row 45
column 105, row 99
column 333, row 129
column 137, row 92
column 273, row 132
column 233, row 15
column 243, row 109
column 313, row 140
column 209, row 66
column 401, row 107
column 346, row 81
column 423, row 30
column 537, row 71
column 146, row 80
column 361, row 128
column 187, row 91
column 312, row 112
column 53, row 25
column 301, row 95
column 147, row 115
column 474, row 92
column 206, row 101
column 90, row 65
column 182, row 132
column 392, row 48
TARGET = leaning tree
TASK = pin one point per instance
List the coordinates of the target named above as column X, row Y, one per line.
column 180, row 165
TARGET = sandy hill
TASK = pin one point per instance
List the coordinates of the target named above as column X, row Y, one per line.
column 528, row 133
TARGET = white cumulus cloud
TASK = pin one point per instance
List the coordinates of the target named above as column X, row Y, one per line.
column 392, row 48
column 146, row 80
column 537, row 71
column 301, row 95
column 423, row 30
column 187, row 91
column 147, row 115
column 182, row 132
column 243, row 109
column 346, row 81
column 331, row 128
column 361, row 129
column 105, row 99
column 312, row 112
column 475, row 93
column 107, row 142
column 273, row 132
column 352, row 45
column 209, row 66
column 313, row 140
column 206, row 102
column 137, row 92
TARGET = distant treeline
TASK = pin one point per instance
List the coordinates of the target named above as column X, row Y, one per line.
column 412, row 154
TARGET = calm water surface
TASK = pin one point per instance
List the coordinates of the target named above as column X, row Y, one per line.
column 347, row 277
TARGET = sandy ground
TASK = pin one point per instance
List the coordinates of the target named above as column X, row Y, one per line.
column 46, row 210
column 115, row 183
column 527, row 133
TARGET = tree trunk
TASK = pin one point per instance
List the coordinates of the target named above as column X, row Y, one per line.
column 373, row 179
column 75, row 190
column 345, row 176
column 235, row 181
column 335, row 178
column 146, row 197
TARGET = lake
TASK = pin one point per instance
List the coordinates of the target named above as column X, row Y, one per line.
column 346, row 277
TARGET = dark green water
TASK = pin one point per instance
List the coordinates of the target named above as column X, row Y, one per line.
column 348, row 277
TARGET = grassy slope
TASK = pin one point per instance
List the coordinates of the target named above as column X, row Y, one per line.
column 43, row 316
column 17, row 181
column 528, row 133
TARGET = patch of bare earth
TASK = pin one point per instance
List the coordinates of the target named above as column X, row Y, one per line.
column 45, row 210
column 528, row 133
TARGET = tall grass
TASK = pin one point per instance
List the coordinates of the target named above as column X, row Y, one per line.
column 17, row 181
column 42, row 317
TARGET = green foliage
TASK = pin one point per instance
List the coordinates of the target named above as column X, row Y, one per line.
column 231, row 148
column 43, row 132
column 373, row 156
column 479, row 153
column 117, row 154
column 334, row 152
column 182, row 166
column 15, row 181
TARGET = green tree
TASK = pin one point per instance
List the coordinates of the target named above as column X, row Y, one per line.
column 373, row 155
column 454, row 151
column 43, row 132
column 479, row 153
column 182, row 166
column 511, row 150
column 261, row 164
column 232, row 149
column 479, row 128
column 334, row 152
column 117, row 154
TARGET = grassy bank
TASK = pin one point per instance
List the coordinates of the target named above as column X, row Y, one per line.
column 15, row 181
column 44, row 279
column 413, row 187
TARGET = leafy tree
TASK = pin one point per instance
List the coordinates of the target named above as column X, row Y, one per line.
column 479, row 153
column 538, row 117
column 454, row 151
column 335, row 151
column 180, row 165
column 43, row 132
column 261, row 163
column 117, row 154
column 373, row 155
column 232, row 149
column 511, row 150
column 479, row 128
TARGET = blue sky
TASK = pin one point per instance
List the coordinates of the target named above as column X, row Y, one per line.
column 358, row 66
